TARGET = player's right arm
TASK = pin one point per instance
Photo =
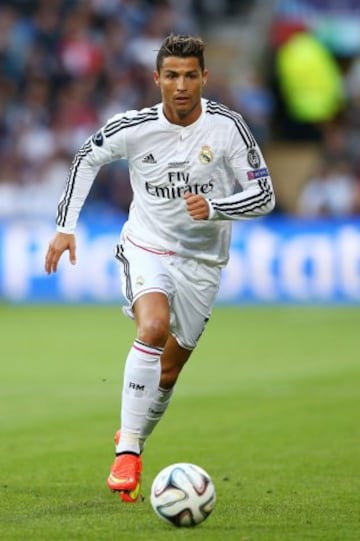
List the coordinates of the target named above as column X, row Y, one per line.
column 96, row 151
column 105, row 146
column 60, row 243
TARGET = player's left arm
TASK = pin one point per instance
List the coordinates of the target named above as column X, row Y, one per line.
column 254, row 195
column 255, row 199
column 197, row 206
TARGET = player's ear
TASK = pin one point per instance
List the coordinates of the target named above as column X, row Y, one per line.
column 156, row 78
column 205, row 77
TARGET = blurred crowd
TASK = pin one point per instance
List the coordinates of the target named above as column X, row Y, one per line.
column 315, row 76
column 66, row 66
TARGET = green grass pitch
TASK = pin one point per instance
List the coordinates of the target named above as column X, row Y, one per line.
column 268, row 405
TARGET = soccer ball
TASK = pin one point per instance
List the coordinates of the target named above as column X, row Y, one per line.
column 183, row 494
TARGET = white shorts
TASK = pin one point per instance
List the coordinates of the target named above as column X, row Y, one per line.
column 191, row 286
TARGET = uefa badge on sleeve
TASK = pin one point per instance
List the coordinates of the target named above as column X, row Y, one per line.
column 98, row 138
column 253, row 158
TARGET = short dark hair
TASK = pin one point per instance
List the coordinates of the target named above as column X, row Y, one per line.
column 183, row 46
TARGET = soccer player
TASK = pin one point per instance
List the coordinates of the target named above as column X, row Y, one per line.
column 194, row 167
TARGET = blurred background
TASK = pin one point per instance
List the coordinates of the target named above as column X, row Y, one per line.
column 291, row 67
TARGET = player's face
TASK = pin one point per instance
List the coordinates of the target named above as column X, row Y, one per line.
column 181, row 81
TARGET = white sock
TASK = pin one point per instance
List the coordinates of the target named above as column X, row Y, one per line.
column 155, row 412
column 141, row 380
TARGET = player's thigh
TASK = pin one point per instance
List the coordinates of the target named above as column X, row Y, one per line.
column 197, row 285
column 152, row 315
column 142, row 272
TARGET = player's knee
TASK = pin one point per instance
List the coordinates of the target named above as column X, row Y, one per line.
column 154, row 332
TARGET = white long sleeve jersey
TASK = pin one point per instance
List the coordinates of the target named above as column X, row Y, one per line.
column 216, row 156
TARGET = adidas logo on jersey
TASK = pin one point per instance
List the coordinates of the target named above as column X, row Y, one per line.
column 149, row 159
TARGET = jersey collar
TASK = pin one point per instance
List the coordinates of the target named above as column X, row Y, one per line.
column 177, row 127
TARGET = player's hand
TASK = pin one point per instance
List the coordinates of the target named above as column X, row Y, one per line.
column 60, row 243
column 197, row 206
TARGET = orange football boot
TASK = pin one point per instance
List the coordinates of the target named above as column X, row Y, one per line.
column 125, row 475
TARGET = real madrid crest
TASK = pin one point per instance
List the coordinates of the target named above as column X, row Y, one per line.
column 206, row 155
column 139, row 281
